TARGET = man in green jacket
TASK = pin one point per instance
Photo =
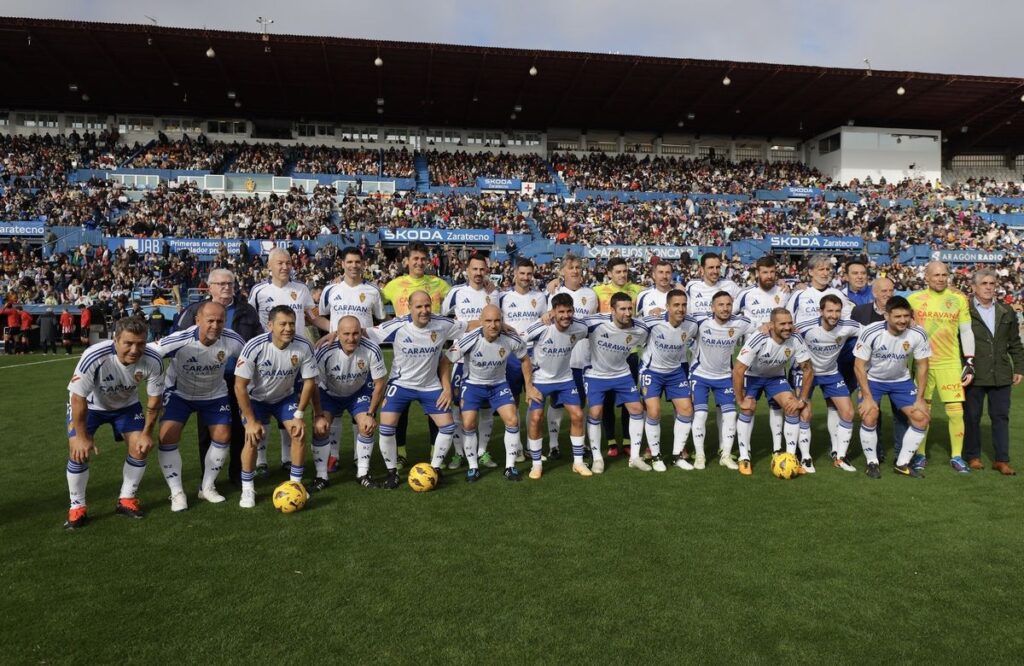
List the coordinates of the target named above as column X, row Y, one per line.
column 998, row 367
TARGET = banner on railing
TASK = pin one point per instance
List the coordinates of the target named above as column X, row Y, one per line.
column 811, row 243
column 968, row 256
column 498, row 183
column 802, row 192
column 643, row 251
column 460, row 236
column 25, row 228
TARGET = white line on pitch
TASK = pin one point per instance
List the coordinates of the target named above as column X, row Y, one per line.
column 52, row 360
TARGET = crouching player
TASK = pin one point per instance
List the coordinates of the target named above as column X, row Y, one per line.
column 105, row 389
column 351, row 379
column 880, row 361
column 265, row 378
column 195, row 383
column 761, row 368
column 663, row 371
column 485, row 353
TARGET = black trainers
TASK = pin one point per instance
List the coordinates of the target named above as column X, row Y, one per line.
column 907, row 470
column 440, row 476
column 129, row 506
column 367, row 482
column 473, row 475
column 318, row 484
column 512, row 474
column 873, row 472
column 554, row 454
column 392, row 480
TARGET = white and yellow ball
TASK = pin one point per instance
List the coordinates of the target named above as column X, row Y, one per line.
column 290, row 497
column 785, row 466
column 422, row 477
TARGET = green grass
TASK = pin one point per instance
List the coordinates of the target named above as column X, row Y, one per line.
column 624, row 567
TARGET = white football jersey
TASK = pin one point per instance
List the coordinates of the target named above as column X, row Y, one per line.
column 466, row 303
column 417, row 350
column 484, row 361
column 887, row 354
column 825, row 346
column 196, row 371
column 273, row 372
column 363, row 301
column 611, row 345
column 667, row 345
column 266, row 296
column 806, row 304
column 520, row 311
column 699, row 295
column 764, row 357
column 712, row 358
column 649, row 299
column 342, row 374
column 585, row 301
column 109, row 385
column 553, row 349
column 756, row 304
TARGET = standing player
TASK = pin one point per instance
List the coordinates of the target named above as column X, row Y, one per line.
column 825, row 340
column 485, row 352
column 277, row 290
column 553, row 346
column 945, row 316
column 465, row 303
column 618, row 274
column 420, row 372
column 711, row 371
column 701, row 293
column 663, row 370
column 105, row 389
column 351, row 375
column 350, row 296
column 398, row 292
column 195, row 384
column 585, row 304
column 761, row 368
column 651, row 302
column 882, row 352
column 266, row 375
column 521, row 307
column 612, row 338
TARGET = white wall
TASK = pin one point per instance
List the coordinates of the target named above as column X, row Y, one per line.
column 880, row 152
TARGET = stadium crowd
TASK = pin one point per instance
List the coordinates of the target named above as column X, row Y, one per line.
column 199, row 154
column 461, row 169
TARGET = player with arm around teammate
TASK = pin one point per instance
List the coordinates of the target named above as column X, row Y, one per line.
column 198, row 356
column 761, row 368
column 266, row 374
column 104, row 388
column 351, row 375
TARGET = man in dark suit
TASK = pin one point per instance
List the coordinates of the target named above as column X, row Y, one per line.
column 243, row 319
column 998, row 363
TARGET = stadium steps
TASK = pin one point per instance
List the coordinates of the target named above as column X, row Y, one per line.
column 562, row 188
column 422, row 172
column 136, row 153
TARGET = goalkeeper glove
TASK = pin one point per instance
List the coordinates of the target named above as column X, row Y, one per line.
column 967, row 374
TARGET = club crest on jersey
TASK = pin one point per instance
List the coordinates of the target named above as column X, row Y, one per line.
column 787, row 353
column 138, row 376
column 629, row 339
column 777, row 299
column 906, row 346
column 583, row 300
column 950, row 303
column 295, row 360
column 732, row 332
column 501, row 352
column 572, row 339
column 533, row 302
column 294, row 295
column 433, row 336
column 361, row 364
column 362, row 298
column 220, row 356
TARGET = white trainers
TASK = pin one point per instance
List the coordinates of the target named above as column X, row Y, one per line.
column 808, row 465
column 248, row 500
column 638, row 463
column 699, row 462
column 658, row 465
column 210, row 495
column 597, row 466
column 725, row 460
column 683, row 463
column 179, row 502
column 520, row 457
column 840, row 463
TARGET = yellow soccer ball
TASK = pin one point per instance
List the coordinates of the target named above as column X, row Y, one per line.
column 290, row 497
column 422, row 478
column 785, row 466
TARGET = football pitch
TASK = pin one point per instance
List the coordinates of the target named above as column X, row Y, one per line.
column 621, row 568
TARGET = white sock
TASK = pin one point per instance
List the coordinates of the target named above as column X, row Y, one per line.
column 699, row 430
column 471, row 447
column 744, row 427
column 335, row 437
column 652, row 428
column 775, row 420
column 78, row 479
column 728, row 431
column 803, row 440
column 295, row 472
column 579, row 444
column 791, row 433
column 869, row 443
column 554, row 426
column 355, row 439
column 132, row 473
column 389, row 446
column 844, row 433
column 535, row 446
column 169, row 458
column 483, row 431
column 721, row 432
column 680, row 432
column 512, row 445
column 594, row 434
column 248, row 482
column 459, row 436
column 364, row 450
column 321, row 450
column 286, row 446
column 261, row 450
column 833, row 428
column 442, row 443
column 911, row 441
column 215, row 457
column 636, row 435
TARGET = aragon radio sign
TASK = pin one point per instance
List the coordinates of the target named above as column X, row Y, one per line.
column 968, row 256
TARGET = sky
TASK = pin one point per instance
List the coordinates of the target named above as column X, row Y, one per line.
column 944, row 36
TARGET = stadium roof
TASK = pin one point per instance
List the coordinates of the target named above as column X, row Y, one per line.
column 150, row 69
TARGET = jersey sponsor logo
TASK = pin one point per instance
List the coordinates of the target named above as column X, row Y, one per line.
column 240, row 362
column 108, row 378
column 75, row 378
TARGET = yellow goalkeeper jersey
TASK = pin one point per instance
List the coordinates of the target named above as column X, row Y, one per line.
column 607, row 290
column 940, row 314
column 397, row 292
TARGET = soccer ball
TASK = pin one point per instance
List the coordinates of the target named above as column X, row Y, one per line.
column 290, row 497
column 785, row 465
column 422, row 478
